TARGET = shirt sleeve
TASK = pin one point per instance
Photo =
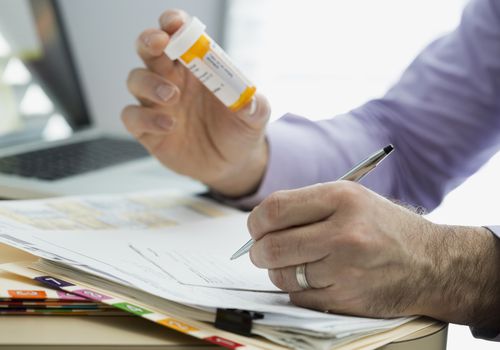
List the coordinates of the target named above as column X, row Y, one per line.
column 442, row 117
column 495, row 230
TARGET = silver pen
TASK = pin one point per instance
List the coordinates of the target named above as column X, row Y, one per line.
column 355, row 174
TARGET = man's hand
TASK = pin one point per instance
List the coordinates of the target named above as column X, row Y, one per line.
column 187, row 128
column 368, row 256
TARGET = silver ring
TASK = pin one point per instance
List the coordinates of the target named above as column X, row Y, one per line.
column 300, row 275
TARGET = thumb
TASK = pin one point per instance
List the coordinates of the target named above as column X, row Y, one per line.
column 256, row 113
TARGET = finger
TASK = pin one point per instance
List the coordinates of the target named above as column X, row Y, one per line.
column 318, row 274
column 292, row 246
column 141, row 120
column 155, row 145
column 146, row 85
column 172, row 20
column 152, row 42
column 256, row 113
column 284, row 209
column 150, row 46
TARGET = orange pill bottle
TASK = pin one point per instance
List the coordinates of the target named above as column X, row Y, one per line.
column 210, row 64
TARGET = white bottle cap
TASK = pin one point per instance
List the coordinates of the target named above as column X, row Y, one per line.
column 184, row 38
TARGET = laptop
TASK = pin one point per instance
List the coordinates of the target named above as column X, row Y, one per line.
column 48, row 143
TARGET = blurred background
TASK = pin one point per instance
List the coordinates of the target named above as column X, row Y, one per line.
column 313, row 58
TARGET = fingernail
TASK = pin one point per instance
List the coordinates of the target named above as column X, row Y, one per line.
column 170, row 19
column 251, row 226
column 146, row 39
column 165, row 123
column 164, row 92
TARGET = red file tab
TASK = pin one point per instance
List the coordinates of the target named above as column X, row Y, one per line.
column 229, row 344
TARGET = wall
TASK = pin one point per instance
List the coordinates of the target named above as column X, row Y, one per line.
column 322, row 58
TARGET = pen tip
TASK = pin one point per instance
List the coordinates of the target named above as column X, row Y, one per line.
column 388, row 149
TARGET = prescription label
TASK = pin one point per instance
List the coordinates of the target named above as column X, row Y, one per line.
column 220, row 88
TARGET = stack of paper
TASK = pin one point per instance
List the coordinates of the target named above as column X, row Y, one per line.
column 22, row 296
column 177, row 276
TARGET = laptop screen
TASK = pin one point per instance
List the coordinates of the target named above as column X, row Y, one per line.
column 40, row 94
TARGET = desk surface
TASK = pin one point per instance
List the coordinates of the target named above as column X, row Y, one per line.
column 42, row 332
column 110, row 333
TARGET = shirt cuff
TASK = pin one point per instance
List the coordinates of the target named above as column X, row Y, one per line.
column 494, row 229
column 303, row 152
column 293, row 160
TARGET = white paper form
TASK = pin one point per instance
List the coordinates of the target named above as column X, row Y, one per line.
column 209, row 267
column 113, row 256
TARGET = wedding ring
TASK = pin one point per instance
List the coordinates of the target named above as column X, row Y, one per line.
column 300, row 275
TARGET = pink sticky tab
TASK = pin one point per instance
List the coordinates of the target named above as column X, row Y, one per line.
column 69, row 296
column 90, row 294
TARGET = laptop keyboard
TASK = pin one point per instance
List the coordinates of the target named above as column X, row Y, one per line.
column 71, row 159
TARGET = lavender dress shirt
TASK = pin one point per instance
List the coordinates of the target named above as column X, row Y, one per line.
column 443, row 116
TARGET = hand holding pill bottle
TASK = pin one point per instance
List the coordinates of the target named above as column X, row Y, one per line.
column 197, row 113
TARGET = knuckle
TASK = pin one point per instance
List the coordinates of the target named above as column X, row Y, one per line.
column 141, row 79
column 273, row 206
column 148, row 79
column 348, row 190
column 361, row 229
column 126, row 116
column 271, row 250
column 132, row 78
column 301, row 246
column 330, row 300
column 309, row 301
column 346, row 193
column 150, row 44
column 358, row 239
column 332, row 193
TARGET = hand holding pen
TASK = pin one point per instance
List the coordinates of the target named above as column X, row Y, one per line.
column 341, row 247
column 355, row 174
